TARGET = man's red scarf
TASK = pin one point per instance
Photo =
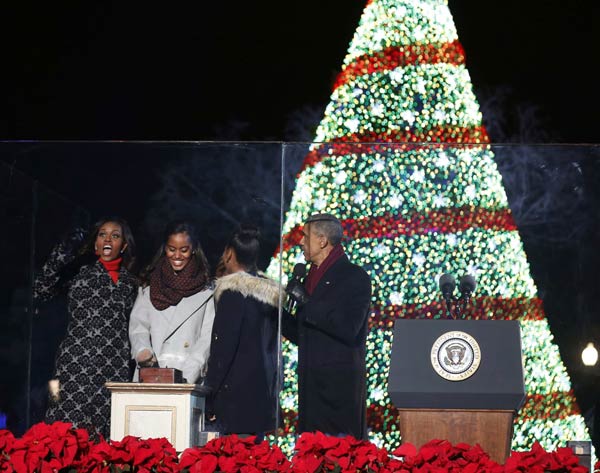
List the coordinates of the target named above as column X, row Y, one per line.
column 316, row 272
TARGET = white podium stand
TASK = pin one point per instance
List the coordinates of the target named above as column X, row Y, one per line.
column 153, row 410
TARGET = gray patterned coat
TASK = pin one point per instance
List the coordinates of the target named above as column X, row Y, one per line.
column 96, row 346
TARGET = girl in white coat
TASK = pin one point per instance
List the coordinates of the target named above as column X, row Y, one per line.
column 171, row 321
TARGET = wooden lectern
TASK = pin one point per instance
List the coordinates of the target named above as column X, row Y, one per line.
column 457, row 380
column 155, row 410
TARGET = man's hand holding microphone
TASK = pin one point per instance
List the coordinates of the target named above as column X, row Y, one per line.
column 297, row 295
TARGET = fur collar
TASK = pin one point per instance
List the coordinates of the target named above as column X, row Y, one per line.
column 258, row 287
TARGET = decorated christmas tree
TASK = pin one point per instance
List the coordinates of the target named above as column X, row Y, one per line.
column 402, row 158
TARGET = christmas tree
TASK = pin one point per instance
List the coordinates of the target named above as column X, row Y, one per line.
column 402, row 158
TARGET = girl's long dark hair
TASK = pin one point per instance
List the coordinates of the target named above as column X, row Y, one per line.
column 246, row 245
column 202, row 268
column 129, row 255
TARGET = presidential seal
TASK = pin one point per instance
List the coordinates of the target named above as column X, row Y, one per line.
column 455, row 356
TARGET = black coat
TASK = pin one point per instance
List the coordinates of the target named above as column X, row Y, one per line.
column 242, row 365
column 330, row 331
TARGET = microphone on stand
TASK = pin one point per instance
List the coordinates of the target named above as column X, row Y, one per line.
column 295, row 289
column 447, row 284
column 466, row 287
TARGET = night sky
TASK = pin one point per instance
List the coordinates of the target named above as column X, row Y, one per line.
column 116, row 70
column 264, row 71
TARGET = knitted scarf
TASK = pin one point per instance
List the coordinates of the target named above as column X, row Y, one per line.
column 167, row 287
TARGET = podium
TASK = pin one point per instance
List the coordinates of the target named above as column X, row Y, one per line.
column 458, row 380
column 154, row 410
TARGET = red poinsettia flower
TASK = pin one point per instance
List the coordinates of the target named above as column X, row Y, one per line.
column 98, row 459
column 7, row 439
column 191, row 459
column 58, row 447
column 538, row 460
column 44, row 447
column 319, row 452
column 208, row 465
column 306, row 463
column 271, row 458
column 231, row 454
column 154, row 455
column 122, row 452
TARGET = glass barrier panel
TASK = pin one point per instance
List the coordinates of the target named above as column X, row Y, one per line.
column 17, row 210
column 217, row 187
column 520, row 219
column 57, row 220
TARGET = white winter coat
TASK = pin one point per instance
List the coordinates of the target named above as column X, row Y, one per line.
column 188, row 349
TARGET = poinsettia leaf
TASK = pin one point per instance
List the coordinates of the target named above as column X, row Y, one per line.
column 405, row 450
column 428, row 452
column 307, row 464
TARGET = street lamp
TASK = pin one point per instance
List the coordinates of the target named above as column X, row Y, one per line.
column 589, row 355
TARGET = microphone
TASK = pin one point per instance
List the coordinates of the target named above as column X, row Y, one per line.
column 447, row 284
column 466, row 287
column 299, row 270
column 294, row 289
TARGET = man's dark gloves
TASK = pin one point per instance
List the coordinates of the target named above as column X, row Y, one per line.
column 295, row 290
column 73, row 240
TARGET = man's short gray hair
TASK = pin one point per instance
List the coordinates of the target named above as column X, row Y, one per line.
column 327, row 225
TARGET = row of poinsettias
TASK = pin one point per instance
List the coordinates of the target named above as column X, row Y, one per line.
column 60, row 448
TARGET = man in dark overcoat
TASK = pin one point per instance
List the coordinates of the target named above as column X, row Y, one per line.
column 330, row 330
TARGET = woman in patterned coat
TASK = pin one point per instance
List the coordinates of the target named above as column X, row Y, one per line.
column 100, row 295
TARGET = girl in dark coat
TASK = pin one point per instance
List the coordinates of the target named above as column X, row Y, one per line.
column 101, row 291
column 242, row 367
